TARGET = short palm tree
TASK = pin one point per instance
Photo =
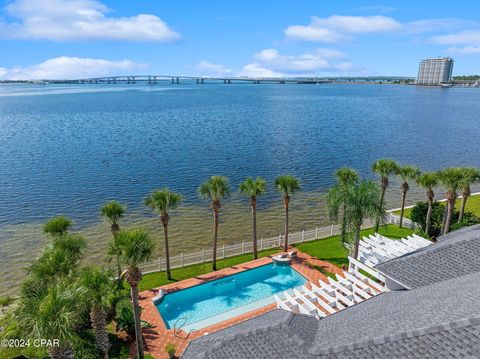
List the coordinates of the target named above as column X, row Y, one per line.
column 162, row 201
column 215, row 189
column 136, row 248
column 470, row 175
column 405, row 173
column 55, row 315
column 57, row 226
column 451, row 178
column 346, row 177
column 287, row 186
column 97, row 289
column 363, row 201
column 384, row 168
column 60, row 261
column 254, row 188
column 112, row 212
column 428, row 181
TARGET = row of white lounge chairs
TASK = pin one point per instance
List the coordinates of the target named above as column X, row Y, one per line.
column 328, row 298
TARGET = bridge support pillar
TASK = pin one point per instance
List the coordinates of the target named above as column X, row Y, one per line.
column 177, row 80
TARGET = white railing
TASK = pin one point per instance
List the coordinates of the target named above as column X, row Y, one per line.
column 244, row 247
column 393, row 218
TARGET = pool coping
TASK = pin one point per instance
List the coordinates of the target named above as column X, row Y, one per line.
column 158, row 336
column 238, row 308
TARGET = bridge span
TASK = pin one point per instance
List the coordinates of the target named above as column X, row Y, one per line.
column 154, row 79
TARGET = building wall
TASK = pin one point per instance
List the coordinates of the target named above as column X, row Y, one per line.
column 435, row 71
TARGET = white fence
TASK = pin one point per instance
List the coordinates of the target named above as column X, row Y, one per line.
column 244, row 247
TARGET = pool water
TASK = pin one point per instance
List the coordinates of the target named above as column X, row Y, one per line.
column 205, row 304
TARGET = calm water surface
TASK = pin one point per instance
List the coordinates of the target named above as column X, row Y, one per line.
column 69, row 149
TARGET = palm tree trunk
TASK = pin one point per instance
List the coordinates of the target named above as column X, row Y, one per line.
column 138, row 323
column 60, row 353
column 343, row 229
column 462, row 208
column 167, row 251
column 254, row 219
column 377, row 220
column 215, row 239
column 285, row 246
column 99, row 324
column 119, row 268
column 451, row 204
column 429, row 217
column 404, row 195
column 356, row 242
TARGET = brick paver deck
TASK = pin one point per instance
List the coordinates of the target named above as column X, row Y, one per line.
column 159, row 336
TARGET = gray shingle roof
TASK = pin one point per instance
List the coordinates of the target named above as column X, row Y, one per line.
column 409, row 321
column 438, row 318
column 455, row 255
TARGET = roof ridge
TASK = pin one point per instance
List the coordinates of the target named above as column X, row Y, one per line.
column 454, row 324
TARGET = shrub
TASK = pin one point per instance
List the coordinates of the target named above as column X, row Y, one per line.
column 6, row 301
column 124, row 317
column 419, row 216
column 171, row 348
column 469, row 219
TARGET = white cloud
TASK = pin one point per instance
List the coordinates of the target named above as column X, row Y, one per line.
column 312, row 33
column 436, row 25
column 270, row 63
column 69, row 68
column 213, row 69
column 468, row 50
column 336, row 28
column 469, row 37
column 256, row 70
column 69, row 20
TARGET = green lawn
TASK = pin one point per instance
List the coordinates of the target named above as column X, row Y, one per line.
column 473, row 205
column 329, row 249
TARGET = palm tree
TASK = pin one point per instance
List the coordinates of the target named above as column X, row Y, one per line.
column 287, row 186
column 451, row 178
column 362, row 202
column 162, row 201
column 470, row 175
column 254, row 188
column 136, row 248
column 214, row 189
column 346, row 177
column 428, row 180
column 60, row 261
column 112, row 212
column 54, row 315
column 97, row 289
column 405, row 173
column 384, row 168
column 57, row 226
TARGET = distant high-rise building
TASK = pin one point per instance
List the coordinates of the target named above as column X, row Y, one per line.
column 435, row 71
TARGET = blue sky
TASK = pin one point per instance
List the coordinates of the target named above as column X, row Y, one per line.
column 80, row 38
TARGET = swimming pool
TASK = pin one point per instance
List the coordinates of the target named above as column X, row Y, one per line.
column 224, row 298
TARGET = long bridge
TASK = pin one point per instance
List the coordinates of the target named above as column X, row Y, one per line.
column 154, row 79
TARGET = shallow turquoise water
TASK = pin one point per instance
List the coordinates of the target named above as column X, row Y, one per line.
column 222, row 295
